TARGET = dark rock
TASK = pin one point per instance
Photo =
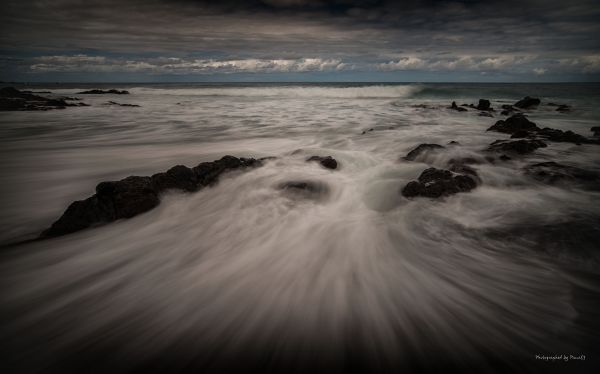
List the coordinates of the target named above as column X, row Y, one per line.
column 305, row 189
column 483, row 105
column 513, row 124
column 453, row 142
column 552, row 173
column 520, row 147
column 422, row 148
column 119, row 104
column 485, row 114
column 527, row 102
column 456, row 107
column 563, row 108
column 505, row 112
column 520, row 134
column 505, row 158
column 13, row 99
column 595, row 130
column 102, row 92
column 568, row 136
column 325, row 161
column 508, row 107
column 369, row 130
column 436, row 183
column 135, row 195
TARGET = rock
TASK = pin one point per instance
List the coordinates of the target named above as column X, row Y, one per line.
column 520, row 134
column 520, row 147
column 422, row 148
column 505, row 113
column 436, row 183
column 325, row 161
column 135, row 195
column 563, row 108
column 504, row 158
column 102, row 92
column 485, row 114
column 305, row 189
column 508, row 107
column 13, row 99
column 553, row 173
column 369, row 130
column 453, row 142
column 595, row 130
column 483, row 105
column 568, row 136
column 119, row 104
column 456, row 107
column 513, row 124
column 527, row 102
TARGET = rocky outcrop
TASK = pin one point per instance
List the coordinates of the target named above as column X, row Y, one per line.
column 421, row 149
column 456, row 107
column 553, row 173
column 527, row 102
column 327, row 162
column 484, row 105
column 103, row 92
column 119, row 104
column 435, row 183
column 512, row 124
column 568, row 136
column 134, row 195
column 12, row 99
column 520, row 147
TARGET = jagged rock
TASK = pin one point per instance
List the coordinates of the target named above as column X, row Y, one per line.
column 568, row 136
column 422, row 148
column 513, row 124
column 527, row 102
column 13, row 99
column 456, row 107
column 436, row 183
column 552, row 173
column 325, row 161
column 483, row 105
column 102, row 92
column 119, row 104
column 520, row 147
column 135, row 195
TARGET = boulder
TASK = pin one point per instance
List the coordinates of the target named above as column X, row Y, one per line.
column 422, row 148
column 521, row 147
column 483, row 105
column 327, row 162
column 514, row 123
column 135, row 195
column 435, row 183
column 102, row 92
column 456, row 107
column 527, row 102
column 553, row 173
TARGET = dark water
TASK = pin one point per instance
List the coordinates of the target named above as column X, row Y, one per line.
column 243, row 276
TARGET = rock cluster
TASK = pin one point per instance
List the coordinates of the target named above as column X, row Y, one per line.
column 13, row 99
column 436, row 183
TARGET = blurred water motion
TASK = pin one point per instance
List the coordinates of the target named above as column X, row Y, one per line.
column 244, row 276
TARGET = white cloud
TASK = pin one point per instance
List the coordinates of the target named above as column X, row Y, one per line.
column 470, row 63
column 406, row 63
column 539, row 71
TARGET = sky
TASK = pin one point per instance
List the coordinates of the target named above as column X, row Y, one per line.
column 300, row 40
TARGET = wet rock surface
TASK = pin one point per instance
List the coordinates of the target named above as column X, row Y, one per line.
column 435, row 183
column 514, row 123
column 103, row 92
column 134, row 195
column 12, row 99
column 421, row 149
column 327, row 162
column 520, row 147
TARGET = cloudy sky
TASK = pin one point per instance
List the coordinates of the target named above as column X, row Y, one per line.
column 300, row 40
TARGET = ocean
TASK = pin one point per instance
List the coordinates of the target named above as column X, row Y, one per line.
column 243, row 275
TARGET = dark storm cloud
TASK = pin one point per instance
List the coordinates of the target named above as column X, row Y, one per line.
column 185, row 36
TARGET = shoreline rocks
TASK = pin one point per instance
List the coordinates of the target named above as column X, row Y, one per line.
column 12, row 99
column 421, row 149
column 103, row 92
column 134, row 195
column 435, row 183
column 327, row 162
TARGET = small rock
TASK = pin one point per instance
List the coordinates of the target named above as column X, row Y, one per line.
column 436, row 183
column 102, row 92
column 527, row 102
column 422, row 148
column 325, row 161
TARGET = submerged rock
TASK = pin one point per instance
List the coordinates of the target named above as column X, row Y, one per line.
column 552, row 173
column 13, row 99
column 119, row 104
column 568, row 136
column 521, row 147
column 325, row 161
column 436, row 183
column 527, row 102
column 305, row 189
column 456, row 107
column 102, row 92
column 512, row 124
column 422, row 148
column 135, row 195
